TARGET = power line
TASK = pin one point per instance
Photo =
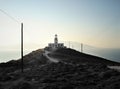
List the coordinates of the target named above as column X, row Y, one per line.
column 21, row 36
column 9, row 16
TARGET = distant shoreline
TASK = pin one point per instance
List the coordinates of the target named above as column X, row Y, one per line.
column 6, row 56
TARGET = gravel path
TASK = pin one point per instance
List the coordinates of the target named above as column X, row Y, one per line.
column 50, row 58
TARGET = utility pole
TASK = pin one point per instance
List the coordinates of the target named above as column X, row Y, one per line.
column 21, row 36
column 22, row 48
column 81, row 47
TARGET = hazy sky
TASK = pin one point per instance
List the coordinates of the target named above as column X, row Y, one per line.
column 93, row 22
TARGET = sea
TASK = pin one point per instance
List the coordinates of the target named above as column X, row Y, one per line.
column 6, row 56
column 110, row 54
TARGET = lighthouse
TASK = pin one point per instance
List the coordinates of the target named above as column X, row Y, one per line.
column 56, row 45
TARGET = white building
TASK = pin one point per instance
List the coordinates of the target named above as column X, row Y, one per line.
column 56, row 44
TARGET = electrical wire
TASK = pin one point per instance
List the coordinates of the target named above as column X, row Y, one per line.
column 9, row 16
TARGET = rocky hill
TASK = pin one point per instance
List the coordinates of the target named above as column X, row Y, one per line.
column 74, row 70
column 73, row 56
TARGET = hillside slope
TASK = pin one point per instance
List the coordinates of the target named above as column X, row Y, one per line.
column 74, row 70
column 70, row 55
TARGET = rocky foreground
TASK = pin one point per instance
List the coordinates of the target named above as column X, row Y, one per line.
column 71, row 72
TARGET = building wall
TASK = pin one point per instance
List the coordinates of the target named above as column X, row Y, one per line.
column 53, row 45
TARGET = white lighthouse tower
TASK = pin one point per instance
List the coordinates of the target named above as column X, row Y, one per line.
column 56, row 39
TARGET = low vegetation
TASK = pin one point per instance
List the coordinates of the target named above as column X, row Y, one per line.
column 73, row 71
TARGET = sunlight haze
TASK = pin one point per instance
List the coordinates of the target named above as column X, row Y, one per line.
column 92, row 22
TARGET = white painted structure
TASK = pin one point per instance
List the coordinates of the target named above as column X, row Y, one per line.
column 56, row 44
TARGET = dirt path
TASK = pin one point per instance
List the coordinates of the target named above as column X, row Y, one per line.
column 50, row 58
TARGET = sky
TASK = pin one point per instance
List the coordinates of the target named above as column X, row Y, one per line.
column 91, row 22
